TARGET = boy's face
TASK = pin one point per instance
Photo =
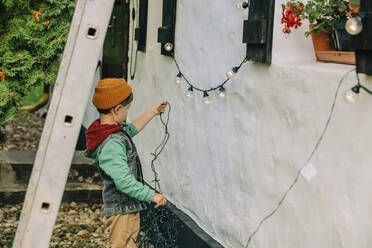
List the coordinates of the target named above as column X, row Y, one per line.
column 121, row 113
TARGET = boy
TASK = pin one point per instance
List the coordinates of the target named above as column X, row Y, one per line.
column 109, row 143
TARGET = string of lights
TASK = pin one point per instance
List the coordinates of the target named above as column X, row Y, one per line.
column 180, row 78
column 230, row 73
column 305, row 164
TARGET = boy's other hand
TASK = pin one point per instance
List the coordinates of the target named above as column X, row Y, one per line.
column 159, row 108
column 159, row 200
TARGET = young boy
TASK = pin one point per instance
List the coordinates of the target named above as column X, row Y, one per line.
column 109, row 143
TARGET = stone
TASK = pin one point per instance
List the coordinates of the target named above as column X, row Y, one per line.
column 89, row 180
column 83, row 233
column 72, row 212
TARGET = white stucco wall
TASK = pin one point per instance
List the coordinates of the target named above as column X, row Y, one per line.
column 228, row 164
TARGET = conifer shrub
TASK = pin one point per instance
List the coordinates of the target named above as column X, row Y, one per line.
column 33, row 34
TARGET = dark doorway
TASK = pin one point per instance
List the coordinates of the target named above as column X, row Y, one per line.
column 115, row 48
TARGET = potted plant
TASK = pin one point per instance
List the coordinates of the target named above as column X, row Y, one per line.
column 325, row 16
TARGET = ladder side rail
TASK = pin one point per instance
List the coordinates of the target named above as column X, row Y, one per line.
column 48, row 123
column 64, row 119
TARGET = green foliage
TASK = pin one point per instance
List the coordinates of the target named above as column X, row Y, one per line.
column 33, row 96
column 354, row 3
column 32, row 37
column 324, row 14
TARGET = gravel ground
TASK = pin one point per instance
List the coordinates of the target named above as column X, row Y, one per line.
column 77, row 225
column 22, row 133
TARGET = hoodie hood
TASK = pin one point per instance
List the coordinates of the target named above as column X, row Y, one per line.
column 96, row 133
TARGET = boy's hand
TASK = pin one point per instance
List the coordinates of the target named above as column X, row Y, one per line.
column 159, row 200
column 142, row 121
column 159, row 108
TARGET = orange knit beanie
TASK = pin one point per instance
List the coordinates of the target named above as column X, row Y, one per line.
column 110, row 92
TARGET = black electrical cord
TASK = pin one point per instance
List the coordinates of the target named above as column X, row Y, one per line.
column 234, row 69
column 359, row 86
column 160, row 148
column 132, row 71
column 307, row 161
column 159, row 227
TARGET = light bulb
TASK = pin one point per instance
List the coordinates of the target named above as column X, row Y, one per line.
column 242, row 5
column 206, row 98
column 222, row 92
column 352, row 95
column 354, row 25
column 232, row 72
column 179, row 79
column 168, row 46
column 189, row 92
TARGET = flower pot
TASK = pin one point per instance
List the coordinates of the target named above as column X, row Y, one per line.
column 322, row 41
column 324, row 48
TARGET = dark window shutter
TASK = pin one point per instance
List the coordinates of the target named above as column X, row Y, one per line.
column 141, row 30
column 258, row 30
column 363, row 41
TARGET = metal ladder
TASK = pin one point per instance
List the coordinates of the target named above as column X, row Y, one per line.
column 61, row 129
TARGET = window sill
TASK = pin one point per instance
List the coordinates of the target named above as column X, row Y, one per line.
column 311, row 66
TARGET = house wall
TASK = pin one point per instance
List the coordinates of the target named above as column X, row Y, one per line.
column 228, row 164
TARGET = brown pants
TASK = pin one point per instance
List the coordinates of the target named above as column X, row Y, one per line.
column 124, row 230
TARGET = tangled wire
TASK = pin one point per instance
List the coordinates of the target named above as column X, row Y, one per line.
column 159, row 227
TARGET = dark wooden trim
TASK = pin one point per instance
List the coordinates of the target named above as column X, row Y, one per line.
column 141, row 30
column 363, row 41
column 258, row 30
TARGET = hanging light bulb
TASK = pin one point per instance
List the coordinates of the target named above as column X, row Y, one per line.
column 231, row 73
column 168, row 46
column 189, row 92
column 242, row 5
column 179, row 79
column 352, row 95
column 206, row 98
column 354, row 25
column 222, row 92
